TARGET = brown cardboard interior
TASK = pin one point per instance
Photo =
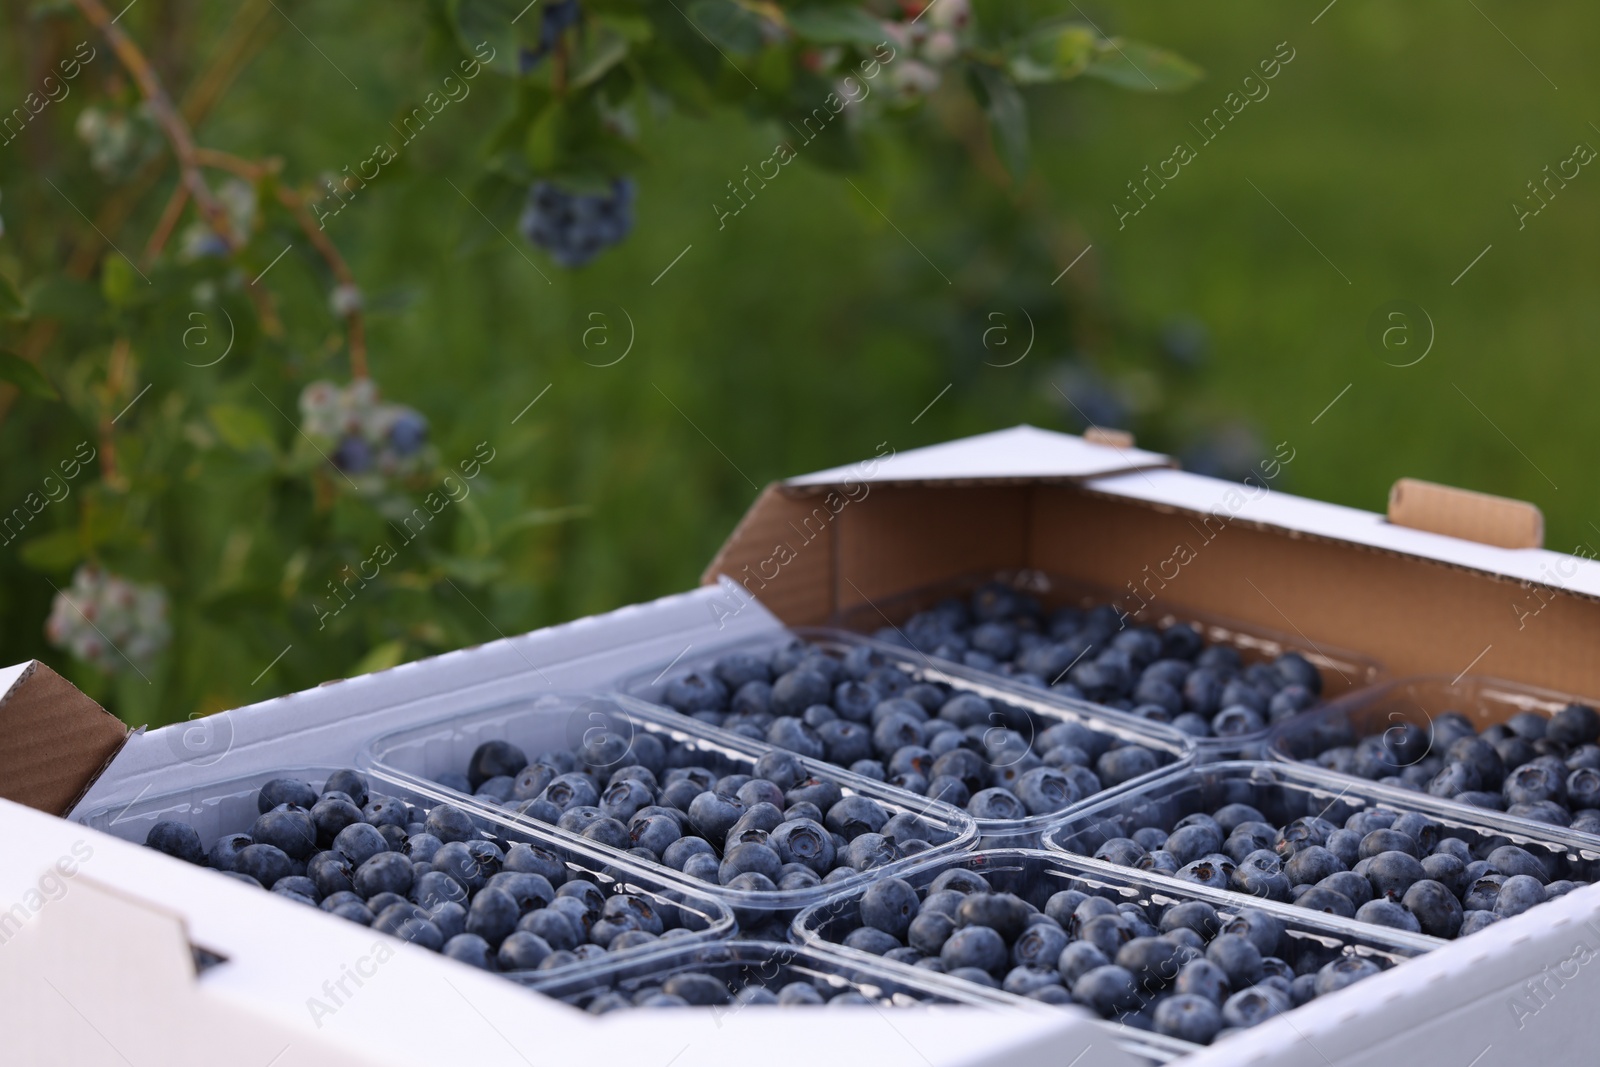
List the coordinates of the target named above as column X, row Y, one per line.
column 810, row 559
column 54, row 741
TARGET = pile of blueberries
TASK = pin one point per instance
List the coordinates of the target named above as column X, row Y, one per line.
column 427, row 876
column 1538, row 767
column 1169, row 675
column 861, row 712
column 771, row 982
column 575, row 227
column 689, row 808
column 1179, row 969
column 1397, row 869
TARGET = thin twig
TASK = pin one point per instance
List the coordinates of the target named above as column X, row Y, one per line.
column 169, row 222
column 354, row 321
column 167, row 116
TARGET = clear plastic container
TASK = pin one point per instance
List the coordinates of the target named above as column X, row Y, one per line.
column 228, row 806
column 1411, row 702
column 1028, row 711
column 768, row 964
column 415, row 757
column 1284, row 792
column 1342, row 671
column 1308, row 939
column 1403, row 712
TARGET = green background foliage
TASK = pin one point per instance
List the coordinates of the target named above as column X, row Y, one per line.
column 819, row 321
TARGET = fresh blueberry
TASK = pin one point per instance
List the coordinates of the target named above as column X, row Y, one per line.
column 471, row 950
column 1237, row 957
column 178, row 840
column 1188, row 1017
column 1107, row 990
column 1255, row 1005
column 265, row 863
column 1385, row 912
column 975, row 946
column 889, row 905
column 1517, row 894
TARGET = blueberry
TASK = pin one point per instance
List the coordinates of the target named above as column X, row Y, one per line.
column 1004, row 913
column 1344, row 971
column 1575, row 724
column 800, row 993
column 1328, row 901
column 1040, row 945
column 1473, row 921
column 704, row 866
column 996, row 803
column 975, row 946
column 178, row 840
column 1108, row 933
column 1237, row 957
column 224, row 854
column 1517, row 894
column 870, row 939
column 889, row 905
column 804, row 841
column 1255, row 1005
column 1512, row 860
column 331, row 873
column 1107, row 990
column 494, row 759
column 387, row 872
column 285, row 791
column 1207, row 872
column 1238, row 721
column 1203, row 978
column 1124, row 764
column 1385, row 912
column 928, row 932
column 845, row 742
column 290, row 829
column 265, row 863
column 1392, row 873
column 869, row 851
column 1188, row 1018
column 1437, row 909
column 1482, row 892
column 471, row 950
column 856, row 815
column 449, row 917
column 746, row 858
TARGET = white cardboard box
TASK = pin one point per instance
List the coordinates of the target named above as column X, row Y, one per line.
column 98, row 969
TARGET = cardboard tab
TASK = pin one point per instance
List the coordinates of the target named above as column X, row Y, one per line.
column 1462, row 513
column 54, row 740
column 1101, row 435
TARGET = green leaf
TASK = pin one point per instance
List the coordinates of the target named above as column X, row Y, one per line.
column 836, row 25
column 546, row 137
column 11, row 305
column 730, row 26
column 1052, row 53
column 481, row 23
column 597, row 53
column 1008, row 118
column 54, row 552
column 118, row 281
column 25, row 376
column 59, row 296
column 389, row 654
column 1142, row 67
column 241, row 427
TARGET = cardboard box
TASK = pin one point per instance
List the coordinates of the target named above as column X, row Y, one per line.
column 108, row 949
column 102, row 970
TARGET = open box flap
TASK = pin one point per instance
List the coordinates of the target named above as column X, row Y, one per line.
column 1021, row 452
column 863, row 539
column 55, row 739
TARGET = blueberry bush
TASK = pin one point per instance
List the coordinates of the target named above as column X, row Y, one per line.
column 240, row 469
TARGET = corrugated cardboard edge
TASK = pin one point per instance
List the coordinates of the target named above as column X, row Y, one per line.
column 54, row 740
